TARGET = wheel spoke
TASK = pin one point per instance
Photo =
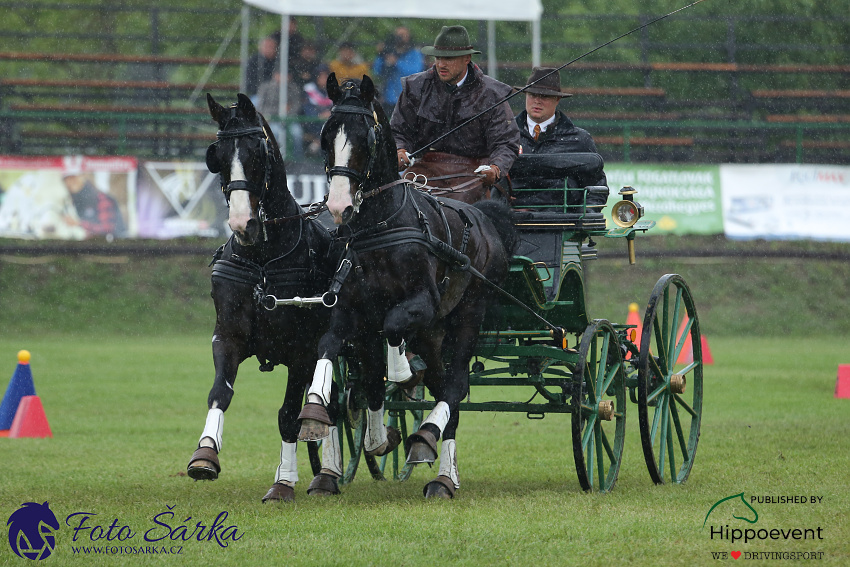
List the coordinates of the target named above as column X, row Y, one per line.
column 674, row 413
column 600, row 462
column 674, row 322
column 655, row 419
column 589, row 458
column 663, row 435
column 588, row 432
column 685, row 405
column 670, row 452
column 607, row 445
column 682, row 340
column 609, row 378
column 665, row 318
column 655, row 393
column 660, row 345
column 689, row 367
column 603, row 365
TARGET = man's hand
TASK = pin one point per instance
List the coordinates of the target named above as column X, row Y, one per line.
column 491, row 173
column 404, row 160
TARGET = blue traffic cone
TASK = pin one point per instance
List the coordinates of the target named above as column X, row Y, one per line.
column 20, row 385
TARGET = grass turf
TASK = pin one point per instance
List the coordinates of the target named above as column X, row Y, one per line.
column 126, row 413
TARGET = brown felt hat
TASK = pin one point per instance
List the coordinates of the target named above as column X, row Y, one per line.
column 452, row 41
column 550, row 86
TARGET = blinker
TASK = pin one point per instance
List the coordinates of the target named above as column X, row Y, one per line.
column 212, row 161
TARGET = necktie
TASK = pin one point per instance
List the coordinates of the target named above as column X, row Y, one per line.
column 536, row 131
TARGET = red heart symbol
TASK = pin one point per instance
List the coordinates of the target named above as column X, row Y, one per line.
column 735, row 554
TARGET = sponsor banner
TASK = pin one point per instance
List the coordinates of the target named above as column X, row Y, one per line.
column 681, row 199
column 178, row 199
column 70, row 197
column 786, row 201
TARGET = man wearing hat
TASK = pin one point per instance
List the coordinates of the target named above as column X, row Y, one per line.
column 450, row 92
column 546, row 130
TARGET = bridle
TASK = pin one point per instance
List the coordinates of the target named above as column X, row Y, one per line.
column 214, row 165
column 370, row 117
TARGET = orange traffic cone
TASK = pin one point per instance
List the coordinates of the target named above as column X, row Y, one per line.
column 20, row 385
column 633, row 318
column 30, row 420
column 842, row 383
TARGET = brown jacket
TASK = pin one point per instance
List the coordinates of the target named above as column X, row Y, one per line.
column 426, row 110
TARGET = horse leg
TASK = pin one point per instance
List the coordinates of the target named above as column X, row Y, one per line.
column 414, row 312
column 314, row 417
column 461, row 345
column 379, row 439
column 326, row 483
column 204, row 464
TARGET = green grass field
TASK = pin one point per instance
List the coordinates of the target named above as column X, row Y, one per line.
column 126, row 413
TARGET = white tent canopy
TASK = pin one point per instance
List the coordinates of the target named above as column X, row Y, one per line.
column 490, row 10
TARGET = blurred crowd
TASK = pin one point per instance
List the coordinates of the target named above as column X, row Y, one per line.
column 392, row 59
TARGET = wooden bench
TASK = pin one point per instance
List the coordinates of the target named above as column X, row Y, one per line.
column 808, row 118
column 111, row 58
column 818, row 144
column 814, row 99
column 105, row 108
column 645, row 140
column 110, row 84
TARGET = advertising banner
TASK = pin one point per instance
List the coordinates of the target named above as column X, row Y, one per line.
column 786, row 201
column 681, row 199
column 70, row 197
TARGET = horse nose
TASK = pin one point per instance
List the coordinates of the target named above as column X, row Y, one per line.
column 347, row 214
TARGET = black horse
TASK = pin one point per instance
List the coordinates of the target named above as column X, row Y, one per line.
column 409, row 260
column 274, row 250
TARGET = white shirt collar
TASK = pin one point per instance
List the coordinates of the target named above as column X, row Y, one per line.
column 463, row 80
column 543, row 125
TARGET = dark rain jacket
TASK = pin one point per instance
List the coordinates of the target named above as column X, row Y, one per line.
column 561, row 137
column 426, row 110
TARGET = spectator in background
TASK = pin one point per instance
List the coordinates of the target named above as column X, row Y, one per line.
column 304, row 66
column 98, row 212
column 268, row 104
column 261, row 66
column 396, row 59
column 348, row 63
column 316, row 105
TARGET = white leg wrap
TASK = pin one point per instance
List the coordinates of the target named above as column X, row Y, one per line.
column 448, row 461
column 212, row 428
column 320, row 389
column 331, row 454
column 376, row 433
column 287, row 471
column 439, row 416
column 398, row 368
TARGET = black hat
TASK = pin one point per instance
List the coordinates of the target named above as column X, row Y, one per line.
column 452, row 41
column 550, row 86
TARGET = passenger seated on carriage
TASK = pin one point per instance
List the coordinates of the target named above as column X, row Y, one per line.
column 546, row 130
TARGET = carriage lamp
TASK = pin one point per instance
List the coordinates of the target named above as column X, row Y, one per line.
column 628, row 211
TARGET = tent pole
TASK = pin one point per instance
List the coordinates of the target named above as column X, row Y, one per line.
column 492, row 68
column 284, row 79
column 535, row 43
column 243, row 49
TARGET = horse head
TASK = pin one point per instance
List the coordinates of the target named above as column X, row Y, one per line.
column 244, row 156
column 31, row 530
column 357, row 145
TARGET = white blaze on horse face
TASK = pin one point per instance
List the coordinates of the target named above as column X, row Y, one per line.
column 339, row 193
column 240, row 201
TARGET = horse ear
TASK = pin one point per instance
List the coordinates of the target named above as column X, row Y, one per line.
column 217, row 111
column 244, row 104
column 334, row 92
column 367, row 89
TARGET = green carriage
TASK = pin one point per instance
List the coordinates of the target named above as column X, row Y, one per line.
column 540, row 339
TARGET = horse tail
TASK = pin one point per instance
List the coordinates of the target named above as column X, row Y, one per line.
column 500, row 215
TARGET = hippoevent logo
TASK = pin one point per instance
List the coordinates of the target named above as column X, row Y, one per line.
column 31, row 529
column 742, row 511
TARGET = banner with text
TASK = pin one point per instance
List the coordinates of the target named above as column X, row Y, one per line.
column 786, row 201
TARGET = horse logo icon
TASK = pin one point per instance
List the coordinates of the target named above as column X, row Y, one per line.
column 733, row 497
column 31, row 529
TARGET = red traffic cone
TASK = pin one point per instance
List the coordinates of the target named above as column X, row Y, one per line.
column 30, row 420
column 842, row 383
column 686, row 356
column 20, row 385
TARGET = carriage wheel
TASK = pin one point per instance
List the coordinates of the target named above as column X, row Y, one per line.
column 351, row 428
column 670, row 381
column 599, row 407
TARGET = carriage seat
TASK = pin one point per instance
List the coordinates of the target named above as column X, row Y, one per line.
column 558, row 182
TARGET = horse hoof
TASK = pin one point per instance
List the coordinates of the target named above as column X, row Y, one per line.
column 323, row 484
column 280, row 493
column 421, row 448
column 388, row 446
column 204, row 464
column 312, row 430
column 440, row 487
